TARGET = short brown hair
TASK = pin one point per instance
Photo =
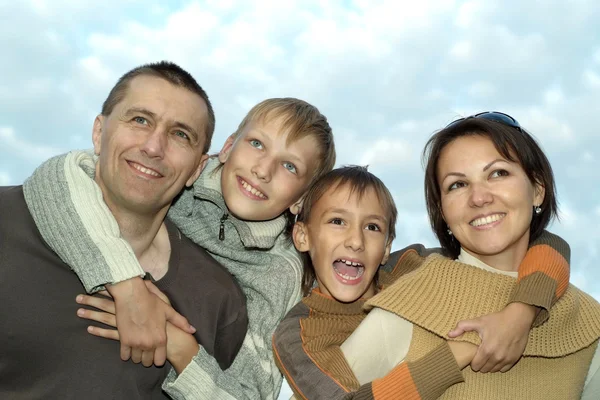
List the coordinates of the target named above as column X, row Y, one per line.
column 299, row 119
column 173, row 74
column 514, row 144
column 360, row 180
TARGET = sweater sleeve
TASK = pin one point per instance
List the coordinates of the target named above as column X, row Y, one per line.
column 244, row 379
column 543, row 274
column 426, row 378
column 72, row 217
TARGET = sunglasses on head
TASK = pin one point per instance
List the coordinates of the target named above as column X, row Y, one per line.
column 491, row 116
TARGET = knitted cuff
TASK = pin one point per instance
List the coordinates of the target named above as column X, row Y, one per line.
column 435, row 372
column 537, row 289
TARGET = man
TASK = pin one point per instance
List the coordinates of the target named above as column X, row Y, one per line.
column 151, row 140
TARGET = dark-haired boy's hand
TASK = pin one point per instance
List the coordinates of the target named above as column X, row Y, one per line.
column 503, row 334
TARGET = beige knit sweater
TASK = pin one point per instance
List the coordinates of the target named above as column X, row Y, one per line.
column 442, row 292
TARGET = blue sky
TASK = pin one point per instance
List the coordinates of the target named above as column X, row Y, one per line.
column 386, row 73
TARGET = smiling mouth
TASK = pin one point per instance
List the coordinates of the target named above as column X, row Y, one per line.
column 487, row 220
column 348, row 270
column 144, row 170
column 251, row 189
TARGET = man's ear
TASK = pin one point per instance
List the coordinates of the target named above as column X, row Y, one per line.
column 198, row 171
column 300, row 236
column 386, row 255
column 297, row 206
column 226, row 149
column 97, row 129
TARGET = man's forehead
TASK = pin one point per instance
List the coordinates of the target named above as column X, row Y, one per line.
column 166, row 100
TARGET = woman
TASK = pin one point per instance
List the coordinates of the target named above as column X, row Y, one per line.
column 490, row 192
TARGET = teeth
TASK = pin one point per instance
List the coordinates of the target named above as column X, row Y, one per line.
column 361, row 271
column 487, row 220
column 253, row 190
column 145, row 170
column 350, row 263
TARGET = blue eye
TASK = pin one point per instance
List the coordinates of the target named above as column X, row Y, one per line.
column 256, row 143
column 141, row 120
column 290, row 167
column 182, row 135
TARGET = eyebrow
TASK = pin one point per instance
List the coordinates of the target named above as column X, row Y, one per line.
column 493, row 162
column 345, row 212
column 177, row 124
column 461, row 175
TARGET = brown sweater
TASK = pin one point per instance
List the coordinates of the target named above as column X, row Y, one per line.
column 307, row 342
column 558, row 353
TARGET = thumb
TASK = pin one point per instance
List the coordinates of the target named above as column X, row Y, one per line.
column 467, row 325
column 179, row 320
column 156, row 291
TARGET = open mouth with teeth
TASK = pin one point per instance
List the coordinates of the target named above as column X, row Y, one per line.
column 348, row 272
column 480, row 222
column 251, row 190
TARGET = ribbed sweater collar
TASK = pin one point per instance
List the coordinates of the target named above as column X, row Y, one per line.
column 253, row 234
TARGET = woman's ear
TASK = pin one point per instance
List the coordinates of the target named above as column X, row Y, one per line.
column 300, row 236
column 539, row 194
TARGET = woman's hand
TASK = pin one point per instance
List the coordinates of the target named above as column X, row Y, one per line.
column 503, row 334
column 181, row 346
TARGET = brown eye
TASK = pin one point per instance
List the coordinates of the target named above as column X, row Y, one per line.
column 456, row 185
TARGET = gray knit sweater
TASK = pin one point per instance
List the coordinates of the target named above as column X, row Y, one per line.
column 68, row 209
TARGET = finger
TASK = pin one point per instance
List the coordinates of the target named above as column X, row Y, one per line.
column 98, row 316
column 96, row 302
column 498, row 367
column 507, row 367
column 467, row 325
column 179, row 321
column 156, row 291
column 125, row 352
column 112, row 334
column 491, row 364
column 480, row 359
column 160, row 356
column 105, row 293
column 147, row 358
column 136, row 355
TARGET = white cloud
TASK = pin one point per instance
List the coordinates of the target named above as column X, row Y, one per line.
column 553, row 96
column 25, row 149
column 389, row 153
column 5, row 179
column 482, row 90
column 591, row 79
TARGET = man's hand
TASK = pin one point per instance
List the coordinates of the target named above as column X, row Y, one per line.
column 503, row 334
column 141, row 319
column 463, row 352
column 181, row 346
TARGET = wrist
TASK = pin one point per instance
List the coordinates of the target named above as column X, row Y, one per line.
column 523, row 312
column 126, row 288
column 183, row 357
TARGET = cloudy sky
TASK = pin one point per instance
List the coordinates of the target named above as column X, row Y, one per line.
column 386, row 73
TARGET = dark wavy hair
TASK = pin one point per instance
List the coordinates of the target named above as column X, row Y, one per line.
column 514, row 144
